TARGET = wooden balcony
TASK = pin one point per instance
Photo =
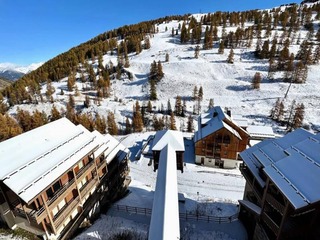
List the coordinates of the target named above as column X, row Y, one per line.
column 257, row 190
column 270, row 223
column 275, row 204
column 85, row 169
column 87, row 186
column 65, row 211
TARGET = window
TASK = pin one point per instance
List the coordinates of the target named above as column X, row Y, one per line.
column 226, row 139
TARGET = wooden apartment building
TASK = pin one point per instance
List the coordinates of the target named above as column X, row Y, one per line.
column 52, row 177
column 219, row 140
column 282, row 192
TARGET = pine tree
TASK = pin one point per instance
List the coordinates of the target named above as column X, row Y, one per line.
column 256, row 80
column 300, row 73
column 8, row 127
column 169, row 109
column 211, row 104
column 178, row 106
column 172, row 122
column 112, row 125
column 149, row 107
column 298, row 116
column 55, row 114
column 200, row 94
column 272, row 68
column 195, row 93
column 71, row 81
column 190, row 126
column 167, row 57
column 100, row 124
column 221, row 48
column 128, row 128
column 230, row 58
column 160, row 73
column 196, row 52
column 86, row 102
column 153, row 90
column 137, row 122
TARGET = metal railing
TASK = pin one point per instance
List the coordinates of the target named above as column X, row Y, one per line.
column 65, row 211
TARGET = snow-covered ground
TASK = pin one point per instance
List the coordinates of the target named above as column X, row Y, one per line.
column 228, row 84
column 208, row 191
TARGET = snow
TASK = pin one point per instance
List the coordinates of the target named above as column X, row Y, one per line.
column 168, row 137
column 165, row 211
column 285, row 161
column 210, row 191
column 23, row 69
column 260, row 131
column 213, row 123
column 51, row 150
column 256, row 209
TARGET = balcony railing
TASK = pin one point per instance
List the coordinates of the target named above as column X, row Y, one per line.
column 85, row 168
column 101, row 163
column 275, row 204
column 64, row 212
column 60, row 192
column 270, row 223
column 87, row 187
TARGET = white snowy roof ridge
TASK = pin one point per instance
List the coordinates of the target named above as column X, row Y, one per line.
column 40, row 157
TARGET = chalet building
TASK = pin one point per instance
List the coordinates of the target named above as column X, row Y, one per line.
column 53, row 176
column 282, row 192
column 175, row 140
column 219, row 139
column 259, row 133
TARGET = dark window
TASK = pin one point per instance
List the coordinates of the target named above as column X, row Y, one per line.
column 56, row 186
column 226, row 139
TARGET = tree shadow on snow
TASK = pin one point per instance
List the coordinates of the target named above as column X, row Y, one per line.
column 238, row 88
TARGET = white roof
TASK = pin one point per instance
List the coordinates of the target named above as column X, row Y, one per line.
column 115, row 148
column 32, row 161
column 213, row 121
column 165, row 211
column 165, row 137
column 292, row 163
column 260, row 131
column 42, row 155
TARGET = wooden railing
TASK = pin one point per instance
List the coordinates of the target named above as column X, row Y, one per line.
column 60, row 192
column 270, row 223
column 275, row 204
column 85, row 168
column 65, row 211
column 87, row 187
column 183, row 216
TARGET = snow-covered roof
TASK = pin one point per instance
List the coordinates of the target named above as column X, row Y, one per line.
column 292, row 163
column 260, row 132
column 165, row 137
column 31, row 161
column 239, row 120
column 214, row 120
column 115, row 148
column 165, row 211
column 249, row 205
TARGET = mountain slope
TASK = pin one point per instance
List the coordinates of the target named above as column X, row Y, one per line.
column 229, row 85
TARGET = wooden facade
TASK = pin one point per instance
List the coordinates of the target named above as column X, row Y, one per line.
column 220, row 147
column 86, row 170
column 66, row 197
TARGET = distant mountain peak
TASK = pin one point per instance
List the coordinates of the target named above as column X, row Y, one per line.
column 13, row 71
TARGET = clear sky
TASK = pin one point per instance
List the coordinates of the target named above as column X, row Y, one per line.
column 37, row 30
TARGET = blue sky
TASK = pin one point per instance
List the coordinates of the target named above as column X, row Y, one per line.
column 36, row 31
